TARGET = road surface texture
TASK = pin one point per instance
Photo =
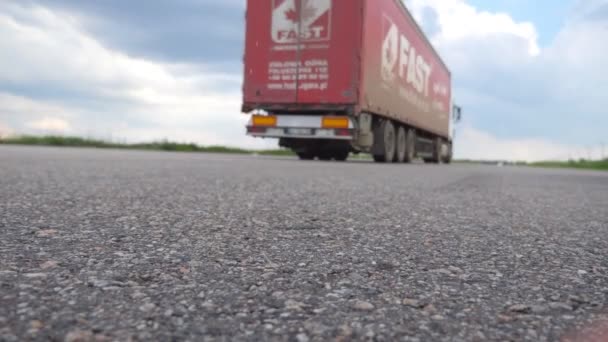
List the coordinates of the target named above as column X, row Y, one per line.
column 122, row 245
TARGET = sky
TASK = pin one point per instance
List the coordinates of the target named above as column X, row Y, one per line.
column 530, row 75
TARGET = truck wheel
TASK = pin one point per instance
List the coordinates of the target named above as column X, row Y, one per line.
column 401, row 145
column 437, row 159
column 306, row 155
column 448, row 158
column 385, row 151
column 325, row 155
column 341, row 156
column 410, row 150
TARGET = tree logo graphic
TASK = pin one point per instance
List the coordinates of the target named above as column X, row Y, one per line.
column 302, row 11
column 301, row 21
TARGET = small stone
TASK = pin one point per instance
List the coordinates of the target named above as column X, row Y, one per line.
column 519, row 308
column 168, row 313
column 315, row 329
column 147, row 307
column 345, row 332
column 291, row 304
column 438, row 317
column 480, row 336
column 302, row 337
column 444, row 271
column 268, row 326
column 36, row 324
column 363, row 306
column 539, row 309
column 201, row 294
column 79, row 336
column 579, row 300
column 302, row 264
column 411, row 302
column 455, row 269
column 138, row 295
column 111, row 288
column 268, row 275
column 99, row 283
column 208, row 305
column 35, row 275
column 46, row 232
column 581, row 272
column 505, row 319
column 430, row 309
column 48, row 264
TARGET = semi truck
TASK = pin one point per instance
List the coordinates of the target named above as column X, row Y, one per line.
column 332, row 77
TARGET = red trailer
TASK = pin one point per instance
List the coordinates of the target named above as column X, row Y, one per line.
column 330, row 77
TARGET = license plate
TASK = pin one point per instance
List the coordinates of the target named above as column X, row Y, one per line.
column 299, row 131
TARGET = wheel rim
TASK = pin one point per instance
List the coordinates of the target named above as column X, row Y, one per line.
column 438, row 149
column 389, row 142
column 401, row 145
column 410, row 151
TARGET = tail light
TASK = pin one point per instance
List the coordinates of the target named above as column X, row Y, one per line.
column 335, row 122
column 264, row 121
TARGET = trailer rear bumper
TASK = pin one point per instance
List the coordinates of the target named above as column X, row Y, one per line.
column 301, row 127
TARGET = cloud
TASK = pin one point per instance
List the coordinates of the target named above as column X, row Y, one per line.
column 460, row 21
column 168, row 30
column 50, row 124
column 23, row 114
column 129, row 95
column 5, row 130
column 55, row 64
column 516, row 90
column 478, row 145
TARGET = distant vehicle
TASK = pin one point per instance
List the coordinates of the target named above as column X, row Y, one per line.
column 330, row 77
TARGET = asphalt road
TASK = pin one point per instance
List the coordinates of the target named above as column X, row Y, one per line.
column 118, row 245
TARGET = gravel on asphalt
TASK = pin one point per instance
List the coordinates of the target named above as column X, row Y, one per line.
column 120, row 245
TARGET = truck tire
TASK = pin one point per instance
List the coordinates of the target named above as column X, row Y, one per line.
column 325, row 155
column 410, row 150
column 306, row 155
column 437, row 158
column 448, row 158
column 385, row 141
column 401, row 145
column 341, row 156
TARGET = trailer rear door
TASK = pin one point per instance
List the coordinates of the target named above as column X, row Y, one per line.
column 302, row 51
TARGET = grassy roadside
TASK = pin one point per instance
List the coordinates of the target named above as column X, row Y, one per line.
column 601, row 165
column 152, row 146
column 181, row 147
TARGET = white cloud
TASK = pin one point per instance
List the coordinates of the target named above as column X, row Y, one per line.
column 5, row 130
column 138, row 97
column 50, row 125
column 477, row 145
column 460, row 21
column 12, row 106
column 507, row 83
column 498, row 67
